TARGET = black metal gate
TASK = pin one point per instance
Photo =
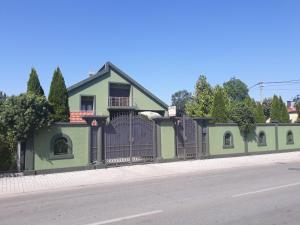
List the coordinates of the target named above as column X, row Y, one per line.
column 186, row 138
column 129, row 138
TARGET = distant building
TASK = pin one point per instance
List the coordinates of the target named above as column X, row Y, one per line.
column 292, row 111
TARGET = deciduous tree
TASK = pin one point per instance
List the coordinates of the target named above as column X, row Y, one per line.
column 236, row 89
column 243, row 115
column 180, row 99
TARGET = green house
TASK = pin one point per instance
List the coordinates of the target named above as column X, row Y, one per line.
column 111, row 92
column 99, row 99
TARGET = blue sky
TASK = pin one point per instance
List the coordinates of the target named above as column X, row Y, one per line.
column 164, row 45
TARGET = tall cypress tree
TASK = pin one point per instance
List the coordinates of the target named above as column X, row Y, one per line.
column 2, row 96
column 58, row 98
column 33, row 84
column 219, row 110
column 275, row 109
column 259, row 114
column 284, row 115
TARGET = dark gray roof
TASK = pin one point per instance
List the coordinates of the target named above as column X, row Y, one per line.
column 105, row 69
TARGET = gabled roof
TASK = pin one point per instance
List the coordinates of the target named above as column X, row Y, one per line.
column 105, row 69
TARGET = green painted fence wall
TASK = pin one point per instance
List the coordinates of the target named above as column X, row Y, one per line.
column 79, row 134
column 80, row 145
column 282, row 137
column 168, row 147
column 216, row 135
column 270, row 134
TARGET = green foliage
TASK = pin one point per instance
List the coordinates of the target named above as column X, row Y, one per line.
column 259, row 114
column 21, row 115
column 236, row 89
column 242, row 114
column 6, row 155
column 296, row 99
column 219, row 108
column 275, row 109
column 267, row 102
column 58, row 98
column 2, row 96
column 285, row 117
column 201, row 103
column 179, row 99
column 33, row 84
column 297, row 105
column 279, row 111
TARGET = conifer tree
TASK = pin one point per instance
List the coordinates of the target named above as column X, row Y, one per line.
column 284, row 115
column 219, row 110
column 259, row 114
column 275, row 109
column 58, row 98
column 2, row 96
column 33, row 84
column 201, row 102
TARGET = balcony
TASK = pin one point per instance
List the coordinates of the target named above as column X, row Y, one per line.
column 119, row 102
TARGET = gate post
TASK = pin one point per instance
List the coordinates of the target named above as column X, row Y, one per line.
column 130, row 136
column 202, row 136
column 98, row 123
column 184, row 136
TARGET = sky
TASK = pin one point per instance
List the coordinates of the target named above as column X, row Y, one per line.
column 163, row 44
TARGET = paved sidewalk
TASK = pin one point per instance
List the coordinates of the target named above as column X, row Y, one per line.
column 10, row 186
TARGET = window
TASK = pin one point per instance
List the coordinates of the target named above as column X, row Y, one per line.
column 289, row 138
column 87, row 103
column 262, row 139
column 228, row 140
column 61, row 147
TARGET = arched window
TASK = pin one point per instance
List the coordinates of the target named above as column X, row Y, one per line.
column 289, row 138
column 262, row 141
column 228, row 140
column 61, row 147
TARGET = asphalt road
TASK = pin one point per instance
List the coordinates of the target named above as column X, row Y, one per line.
column 259, row 195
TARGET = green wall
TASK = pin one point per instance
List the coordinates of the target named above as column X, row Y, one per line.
column 168, row 147
column 270, row 139
column 216, row 134
column 100, row 88
column 42, row 146
column 282, row 132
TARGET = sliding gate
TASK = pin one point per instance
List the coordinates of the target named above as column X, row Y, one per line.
column 186, row 138
column 129, row 138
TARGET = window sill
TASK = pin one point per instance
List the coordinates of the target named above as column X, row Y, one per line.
column 228, row 147
column 261, row 145
column 58, row 157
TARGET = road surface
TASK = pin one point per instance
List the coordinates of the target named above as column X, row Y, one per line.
column 257, row 195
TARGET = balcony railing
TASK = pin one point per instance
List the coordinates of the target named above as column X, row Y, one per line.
column 118, row 101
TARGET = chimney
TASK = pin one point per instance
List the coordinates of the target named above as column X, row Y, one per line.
column 91, row 74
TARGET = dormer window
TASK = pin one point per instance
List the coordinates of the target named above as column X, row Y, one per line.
column 87, row 103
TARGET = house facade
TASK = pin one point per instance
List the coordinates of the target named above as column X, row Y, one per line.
column 111, row 92
column 95, row 105
column 106, row 127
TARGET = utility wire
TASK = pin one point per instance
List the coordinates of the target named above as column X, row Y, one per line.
column 263, row 84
